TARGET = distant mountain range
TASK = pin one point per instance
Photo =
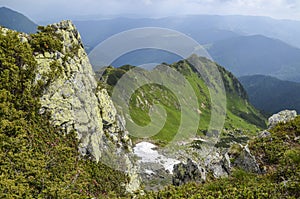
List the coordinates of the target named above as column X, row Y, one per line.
column 245, row 45
column 271, row 94
column 203, row 28
column 94, row 32
column 16, row 21
column 257, row 54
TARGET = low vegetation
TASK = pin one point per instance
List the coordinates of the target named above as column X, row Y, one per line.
column 38, row 160
column 279, row 158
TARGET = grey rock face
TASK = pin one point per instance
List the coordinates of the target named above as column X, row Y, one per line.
column 247, row 161
column 218, row 163
column 76, row 105
column 283, row 116
column 183, row 173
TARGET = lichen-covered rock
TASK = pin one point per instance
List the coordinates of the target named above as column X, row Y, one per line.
column 75, row 104
column 247, row 161
column 283, row 116
column 218, row 163
column 264, row 134
column 184, row 173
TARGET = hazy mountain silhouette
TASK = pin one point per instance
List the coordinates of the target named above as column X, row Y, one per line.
column 203, row 28
column 257, row 54
column 271, row 94
column 16, row 21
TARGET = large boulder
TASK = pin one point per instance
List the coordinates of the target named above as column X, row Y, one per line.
column 191, row 171
column 283, row 116
column 247, row 161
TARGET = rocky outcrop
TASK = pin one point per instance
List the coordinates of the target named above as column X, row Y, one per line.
column 183, row 173
column 178, row 165
column 75, row 104
column 218, row 163
column 247, row 161
column 283, row 116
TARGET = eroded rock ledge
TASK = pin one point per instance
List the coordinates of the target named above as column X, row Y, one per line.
column 76, row 104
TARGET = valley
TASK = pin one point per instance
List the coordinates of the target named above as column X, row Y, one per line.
column 151, row 124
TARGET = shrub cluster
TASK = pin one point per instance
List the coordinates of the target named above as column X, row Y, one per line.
column 37, row 160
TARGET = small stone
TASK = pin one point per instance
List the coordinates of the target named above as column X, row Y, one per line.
column 264, row 134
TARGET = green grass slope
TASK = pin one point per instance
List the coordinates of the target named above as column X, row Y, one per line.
column 241, row 115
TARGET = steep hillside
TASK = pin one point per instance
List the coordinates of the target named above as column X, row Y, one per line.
column 241, row 116
column 249, row 55
column 59, row 133
column 16, row 21
column 270, row 94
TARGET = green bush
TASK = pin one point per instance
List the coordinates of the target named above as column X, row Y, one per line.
column 46, row 40
column 38, row 160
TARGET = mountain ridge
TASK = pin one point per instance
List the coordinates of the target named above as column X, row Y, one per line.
column 16, row 21
column 257, row 54
column 212, row 31
column 236, row 95
column 239, row 25
column 270, row 94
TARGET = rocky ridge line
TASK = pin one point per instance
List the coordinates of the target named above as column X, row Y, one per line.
column 77, row 105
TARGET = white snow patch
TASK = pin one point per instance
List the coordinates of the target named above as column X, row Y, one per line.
column 144, row 150
column 149, row 172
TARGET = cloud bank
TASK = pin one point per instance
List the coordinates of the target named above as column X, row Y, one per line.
column 61, row 9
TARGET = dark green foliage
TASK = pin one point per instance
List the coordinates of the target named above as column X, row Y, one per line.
column 46, row 40
column 279, row 155
column 38, row 160
column 239, row 185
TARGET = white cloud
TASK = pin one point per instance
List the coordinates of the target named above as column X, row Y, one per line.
column 156, row 8
column 148, row 2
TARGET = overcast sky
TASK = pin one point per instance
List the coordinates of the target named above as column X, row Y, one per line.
column 41, row 10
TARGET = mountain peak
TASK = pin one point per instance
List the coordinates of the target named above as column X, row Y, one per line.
column 16, row 21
